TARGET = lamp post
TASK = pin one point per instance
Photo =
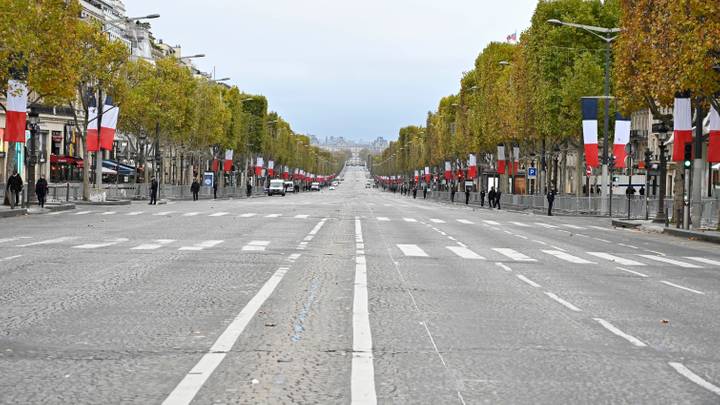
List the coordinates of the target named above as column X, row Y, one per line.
column 608, row 35
column 34, row 123
column 661, row 216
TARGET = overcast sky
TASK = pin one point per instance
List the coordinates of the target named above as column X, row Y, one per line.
column 359, row 69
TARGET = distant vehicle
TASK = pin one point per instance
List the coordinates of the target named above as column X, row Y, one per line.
column 368, row 185
column 289, row 187
column 276, row 187
column 332, row 188
column 315, row 186
column 335, row 183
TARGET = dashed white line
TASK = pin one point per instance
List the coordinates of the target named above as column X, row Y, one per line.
column 521, row 224
column 383, row 219
column 412, row 250
column 503, row 266
column 682, row 287
column 134, row 213
column 256, row 246
column 49, row 241
column 437, row 221
column 218, row 214
column 6, row 259
column 514, row 255
column 82, row 213
column 302, row 216
column 465, row 253
column 247, row 215
column 202, row 245
column 528, row 281
column 671, row 261
column 163, row 213
column 465, row 221
column 109, row 213
column 362, row 384
column 100, row 245
column 687, row 373
column 632, row 272
column 273, row 215
column 152, row 246
column 616, row 259
column 567, row 257
column 563, row 302
column 704, row 260
column 607, row 325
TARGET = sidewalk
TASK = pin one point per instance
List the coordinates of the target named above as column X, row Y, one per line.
column 649, row 226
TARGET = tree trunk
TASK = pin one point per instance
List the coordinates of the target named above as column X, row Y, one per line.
column 579, row 170
column 10, row 166
column 678, row 185
column 86, row 169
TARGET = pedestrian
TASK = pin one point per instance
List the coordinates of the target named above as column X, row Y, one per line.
column 14, row 186
column 214, row 188
column 482, row 198
column 296, row 188
column 467, row 195
column 452, row 193
column 248, row 189
column 497, row 199
column 414, row 192
column 195, row 189
column 491, row 197
column 642, row 191
column 41, row 190
column 630, row 191
column 424, row 192
column 551, row 200
column 153, row 191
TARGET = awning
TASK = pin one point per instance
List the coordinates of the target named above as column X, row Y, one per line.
column 124, row 170
column 71, row 160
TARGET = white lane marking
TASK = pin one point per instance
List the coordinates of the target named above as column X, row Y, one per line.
column 3, row 240
column 272, row 215
column 49, row 241
column 632, row 272
column 503, row 266
column 383, row 219
column 521, row 236
column 362, row 380
column 302, row 216
column 102, row 244
column 256, row 245
column 57, row 213
column 540, row 242
column 629, row 246
column 317, row 227
column 572, row 226
column 293, row 257
column 616, row 259
column 218, row 214
column 5, row 259
column 152, row 246
column 671, row 261
column 687, row 373
column 109, row 213
column 704, row 260
column 600, row 228
column 656, row 252
column 520, row 224
column 567, row 257
column 514, row 255
column 527, row 280
column 186, row 390
column 545, row 225
column 82, row 213
column 632, row 339
column 409, row 219
column 563, row 302
column 248, row 215
column 202, row 245
column 465, row 221
column 602, row 240
column 558, row 248
column 437, row 221
column 508, row 232
column 681, row 287
column 163, row 213
column 131, row 214
column 465, row 253
column 412, row 250
column 495, row 223
column 191, row 214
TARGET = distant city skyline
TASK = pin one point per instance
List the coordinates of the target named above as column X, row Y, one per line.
column 354, row 69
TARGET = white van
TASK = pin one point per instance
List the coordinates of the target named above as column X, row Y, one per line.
column 315, row 186
column 277, row 186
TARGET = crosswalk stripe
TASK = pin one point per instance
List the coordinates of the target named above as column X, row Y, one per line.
column 514, row 255
column 383, row 219
column 437, row 221
column 7, row 259
column 616, row 259
column 218, row 214
column 272, row 215
column 567, row 257
column 82, row 212
column 152, row 246
column 49, row 241
column 248, row 215
column 302, row 216
column 545, row 225
column 3, row 240
column 409, row 219
column 256, row 245
column 109, row 213
column 465, row 221
column 520, row 224
column 494, row 223
column 158, row 214
column 100, row 245
column 571, row 226
column 412, row 250
column 191, row 214
column 671, row 261
column 704, row 260
column 134, row 213
column 465, row 253
column 202, row 245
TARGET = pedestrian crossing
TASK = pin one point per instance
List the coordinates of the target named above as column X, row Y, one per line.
column 209, row 214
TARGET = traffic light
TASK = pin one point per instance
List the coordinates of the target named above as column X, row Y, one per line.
column 611, row 162
column 687, row 162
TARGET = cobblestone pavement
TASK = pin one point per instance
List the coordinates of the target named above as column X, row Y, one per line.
column 351, row 295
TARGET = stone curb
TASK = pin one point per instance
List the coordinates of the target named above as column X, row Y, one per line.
column 117, row 202
column 695, row 235
column 18, row 212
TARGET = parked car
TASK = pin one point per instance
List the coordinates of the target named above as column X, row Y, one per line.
column 315, row 186
column 276, row 187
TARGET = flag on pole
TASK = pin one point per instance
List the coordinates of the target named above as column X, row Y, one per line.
column 271, row 168
column 448, row 171
column 259, row 166
column 516, row 159
column 501, row 159
column 286, row 173
column 511, row 38
column 714, row 144
column 682, row 122
column 417, row 176
column 622, row 137
column 108, row 126
column 472, row 166
column 16, row 111
column 427, row 174
column 91, row 134
column 227, row 164
column 590, row 130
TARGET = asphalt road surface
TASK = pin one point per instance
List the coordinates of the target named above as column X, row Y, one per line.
column 351, row 296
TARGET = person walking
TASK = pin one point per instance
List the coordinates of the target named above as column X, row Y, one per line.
column 424, row 192
column 14, row 186
column 467, row 195
column 482, row 198
column 452, row 193
column 551, row 200
column 195, row 189
column 248, row 189
column 153, row 191
column 414, row 192
column 214, row 188
column 491, row 197
column 41, row 190
column 642, row 191
column 497, row 199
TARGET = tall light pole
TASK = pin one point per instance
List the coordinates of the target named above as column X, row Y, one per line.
column 608, row 35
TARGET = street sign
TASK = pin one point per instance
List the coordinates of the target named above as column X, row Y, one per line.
column 532, row 172
column 208, row 178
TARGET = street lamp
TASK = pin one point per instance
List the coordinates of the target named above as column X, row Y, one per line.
column 663, row 135
column 224, row 79
column 128, row 19
column 34, row 121
column 608, row 35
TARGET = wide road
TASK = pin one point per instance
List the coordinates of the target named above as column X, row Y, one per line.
column 351, row 296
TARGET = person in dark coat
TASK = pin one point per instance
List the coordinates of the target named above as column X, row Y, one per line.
column 482, row 198
column 195, row 189
column 214, row 188
column 491, row 197
column 153, row 191
column 14, row 186
column 41, row 190
column 248, row 188
column 414, row 192
column 452, row 193
column 467, row 195
column 642, row 191
column 497, row 199
column 424, row 192
column 551, row 200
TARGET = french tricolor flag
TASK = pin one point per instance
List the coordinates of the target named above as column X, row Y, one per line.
column 501, row 159
column 448, row 171
column 286, row 173
column 590, row 130
column 516, row 159
column 227, row 164
column 714, row 144
column 259, row 166
column 622, row 138
column 427, row 174
column 271, row 168
column 16, row 114
column 108, row 126
column 92, row 138
column 683, row 127
column 472, row 166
